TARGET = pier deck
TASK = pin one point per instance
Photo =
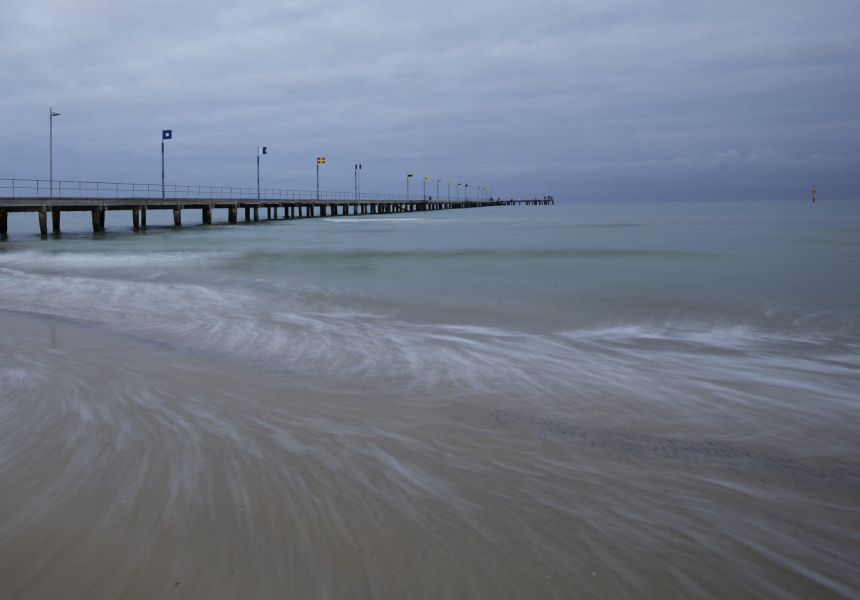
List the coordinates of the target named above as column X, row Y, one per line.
column 292, row 208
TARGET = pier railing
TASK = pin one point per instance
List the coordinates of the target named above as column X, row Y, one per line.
column 43, row 188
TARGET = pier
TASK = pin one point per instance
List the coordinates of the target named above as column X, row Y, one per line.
column 54, row 198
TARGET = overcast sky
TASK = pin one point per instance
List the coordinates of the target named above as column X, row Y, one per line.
column 609, row 99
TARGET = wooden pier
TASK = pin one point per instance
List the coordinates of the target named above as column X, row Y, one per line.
column 289, row 209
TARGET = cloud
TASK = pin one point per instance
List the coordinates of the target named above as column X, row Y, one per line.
column 525, row 94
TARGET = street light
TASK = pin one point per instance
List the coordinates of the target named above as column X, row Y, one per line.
column 408, row 177
column 357, row 173
column 261, row 150
column 51, row 145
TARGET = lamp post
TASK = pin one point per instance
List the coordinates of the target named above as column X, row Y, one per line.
column 449, row 190
column 260, row 151
column 438, row 181
column 51, row 146
column 425, row 188
column 458, row 191
column 408, row 177
column 357, row 173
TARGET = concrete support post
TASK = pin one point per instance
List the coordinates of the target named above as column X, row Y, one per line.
column 135, row 219
column 207, row 215
column 43, row 220
column 256, row 213
column 177, row 217
column 55, row 219
column 232, row 214
column 4, row 222
column 143, row 218
column 96, row 221
column 247, row 213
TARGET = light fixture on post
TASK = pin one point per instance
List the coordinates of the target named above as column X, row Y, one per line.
column 261, row 150
column 51, row 147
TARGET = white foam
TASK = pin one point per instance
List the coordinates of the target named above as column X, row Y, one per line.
column 73, row 262
column 310, row 330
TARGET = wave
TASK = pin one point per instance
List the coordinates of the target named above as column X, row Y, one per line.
column 714, row 367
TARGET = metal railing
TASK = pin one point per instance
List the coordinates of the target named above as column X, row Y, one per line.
column 42, row 188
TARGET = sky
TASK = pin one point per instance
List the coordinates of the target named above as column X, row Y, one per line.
column 583, row 100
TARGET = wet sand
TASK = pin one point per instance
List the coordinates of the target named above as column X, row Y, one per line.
column 134, row 469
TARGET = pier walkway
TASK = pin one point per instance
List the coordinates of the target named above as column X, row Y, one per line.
column 98, row 198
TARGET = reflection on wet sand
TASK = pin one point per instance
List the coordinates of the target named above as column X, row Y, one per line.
column 139, row 473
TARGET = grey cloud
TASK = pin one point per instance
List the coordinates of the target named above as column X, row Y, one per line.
column 612, row 98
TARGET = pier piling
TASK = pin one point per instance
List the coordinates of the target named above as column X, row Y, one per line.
column 296, row 208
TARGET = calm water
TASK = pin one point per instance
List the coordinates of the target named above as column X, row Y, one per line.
column 570, row 401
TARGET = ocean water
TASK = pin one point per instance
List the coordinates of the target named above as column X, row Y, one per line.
column 585, row 400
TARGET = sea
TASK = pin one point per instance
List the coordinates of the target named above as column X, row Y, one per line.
column 600, row 399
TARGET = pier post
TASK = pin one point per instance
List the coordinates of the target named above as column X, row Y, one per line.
column 143, row 217
column 269, row 213
column 4, row 221
column 207, row 215
column 102, row 213
column 55, row 219
column 43, row 220
column 135, row 219
column 256, row 213
column 247, row 213
column 232, row 214
column 177, row 217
